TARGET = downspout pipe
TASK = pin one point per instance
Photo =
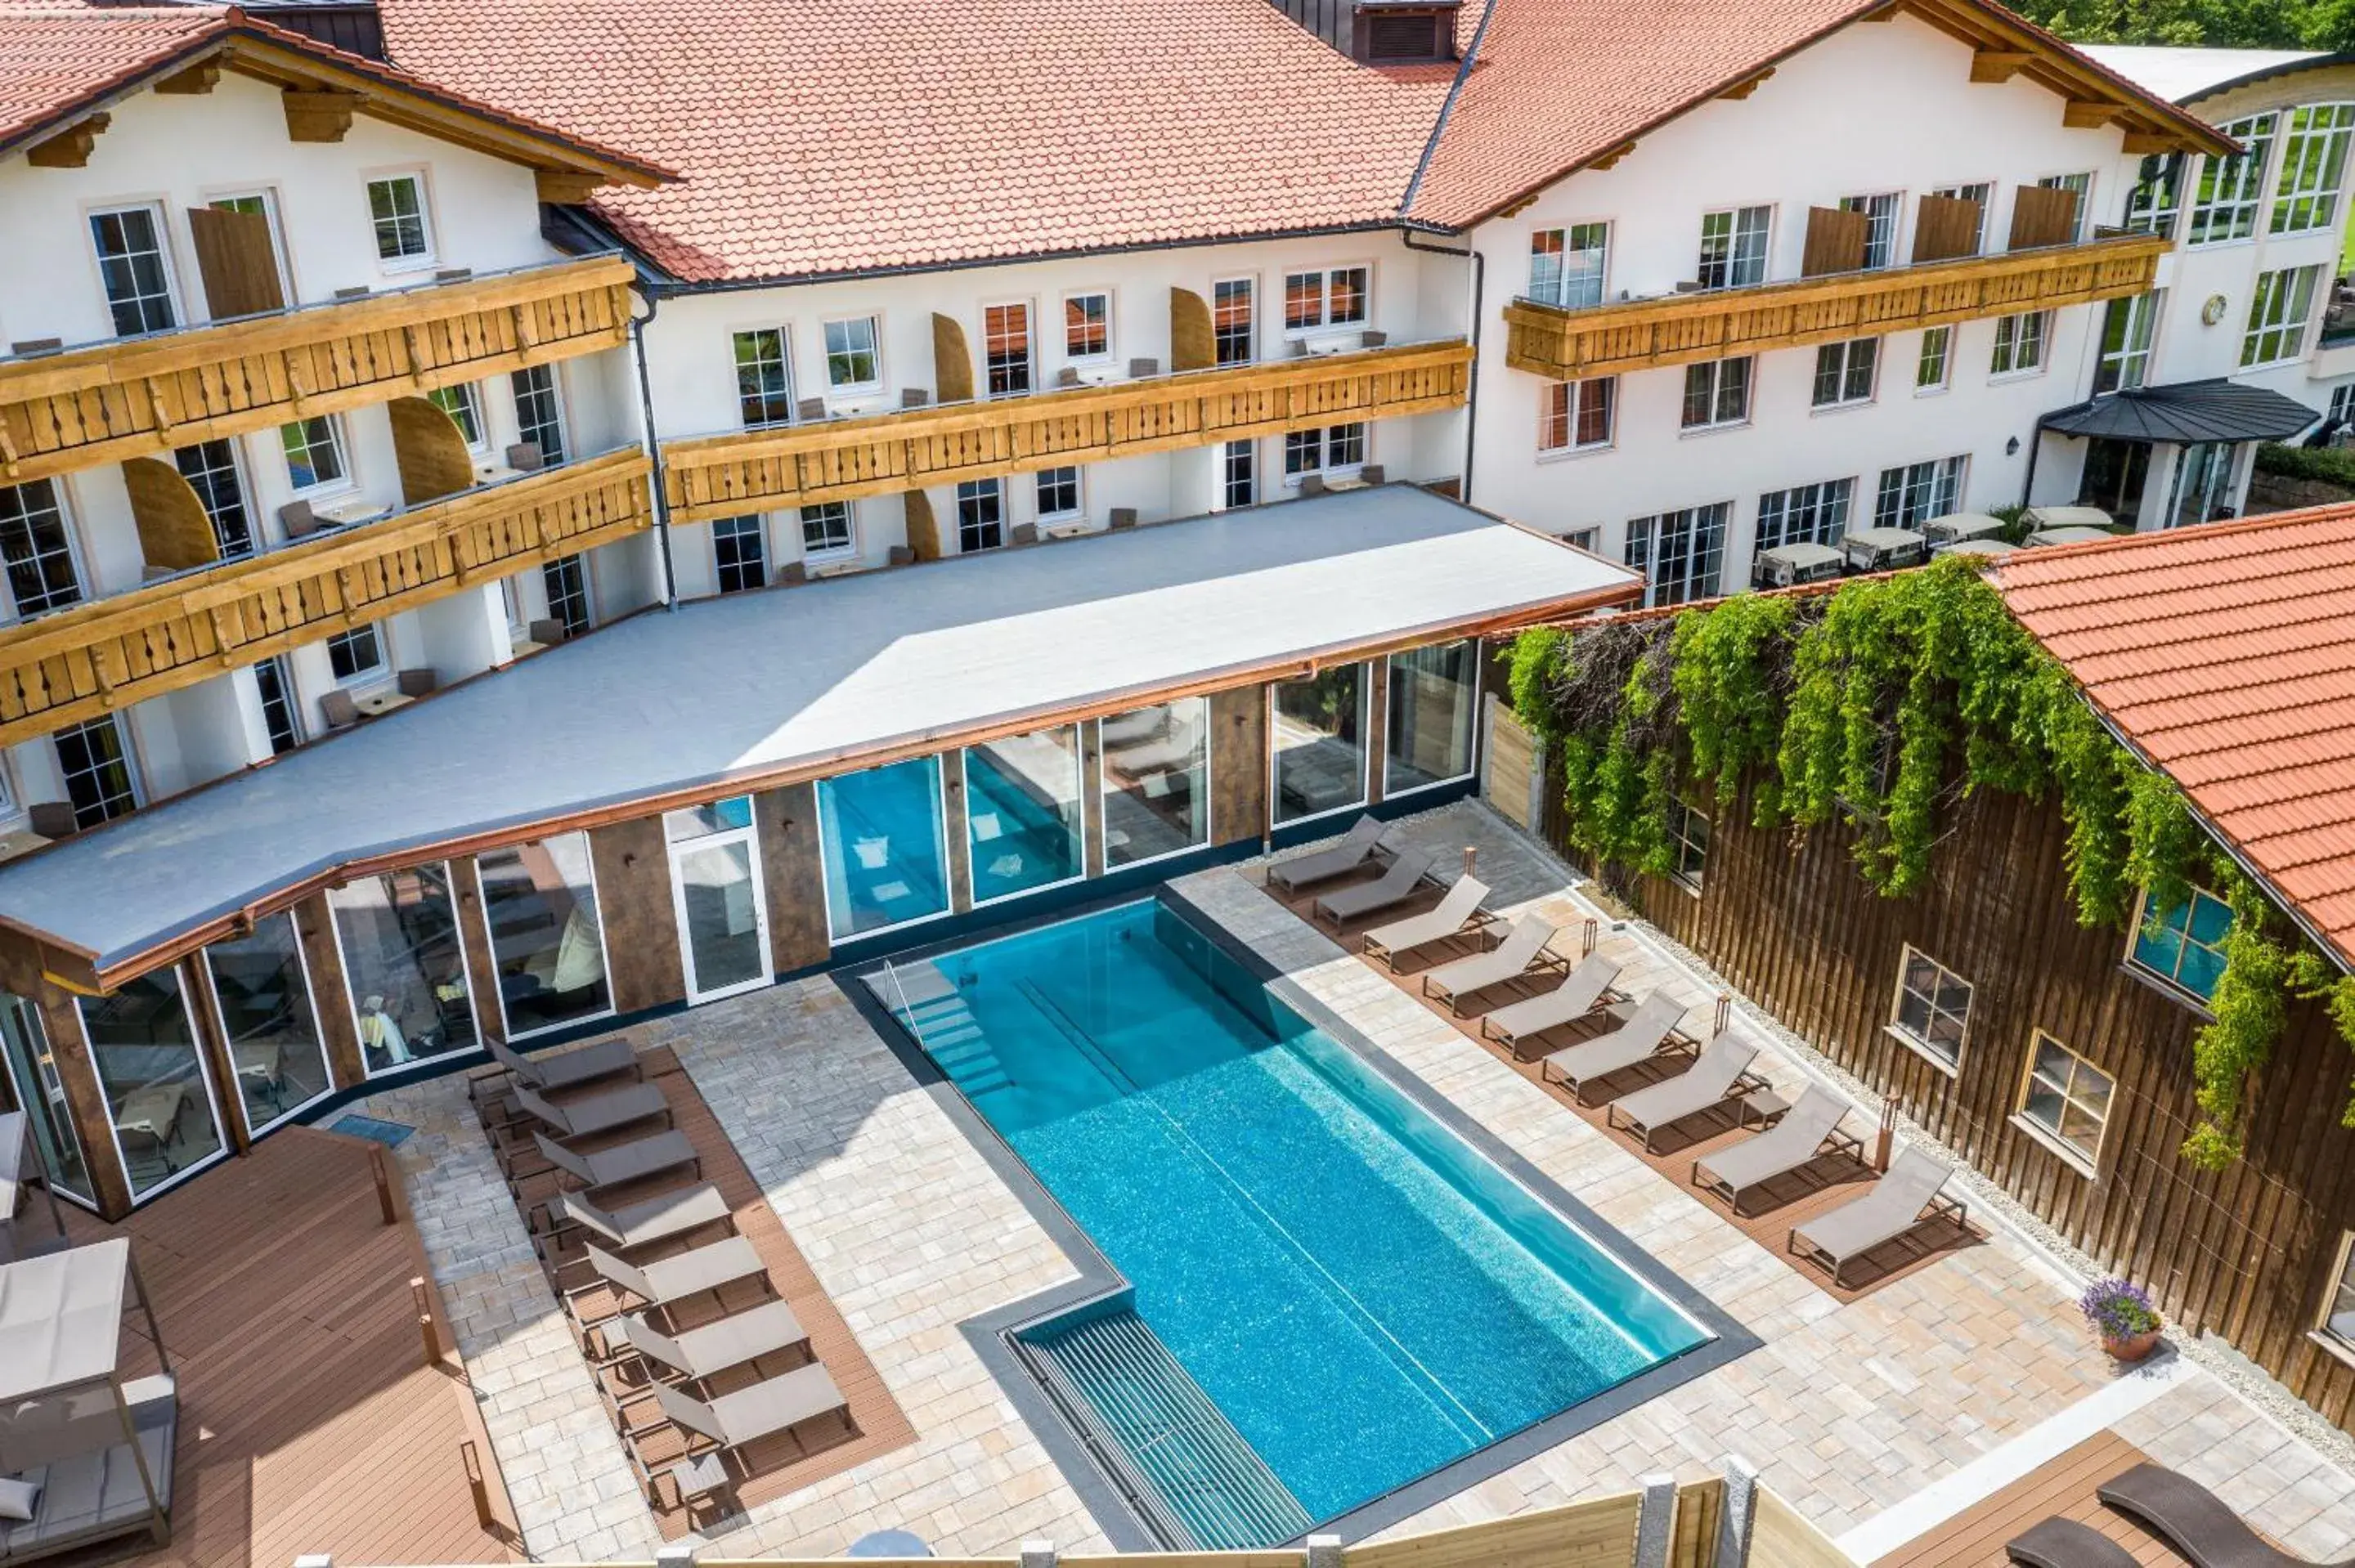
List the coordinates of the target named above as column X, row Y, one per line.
column 653, row 446
column 1472, row 394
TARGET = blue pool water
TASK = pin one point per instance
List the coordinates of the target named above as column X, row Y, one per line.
column 1363, row 1295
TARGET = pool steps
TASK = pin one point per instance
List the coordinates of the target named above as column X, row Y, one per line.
column 936, row 1011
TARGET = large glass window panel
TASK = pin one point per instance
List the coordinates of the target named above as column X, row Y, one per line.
column 145, row 1049
column 398, row 935
column 886, row 855
column 1434, row 695
column 1156, row 780
column 2185, row 944
column 268, row 1019
column 1022, row 813
column 715, row 870
column 1320, row 743
column 548, row 948
column 41, row 1095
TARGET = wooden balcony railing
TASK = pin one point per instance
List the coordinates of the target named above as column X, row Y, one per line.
column 80, row 662
column 1681, row 329
column 109, row 401
column 837, row 460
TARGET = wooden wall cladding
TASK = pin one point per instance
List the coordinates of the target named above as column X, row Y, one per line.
column 85, row 1099
column 633, row 897
column 322, row 963
column 792, row 870
column 1238, row 764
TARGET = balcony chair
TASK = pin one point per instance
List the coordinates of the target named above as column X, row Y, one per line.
column 416, row 682
column 1067, row 375
column 36, row 345
column 548, row 633
column 339, row 710
column 1144, row 369
column 1372, row 474
column 914, row 397
column 810, row 408
column 298, row 519
column 52, row 818
column 1371, row 339
column 1123, row 517
column 525, row 457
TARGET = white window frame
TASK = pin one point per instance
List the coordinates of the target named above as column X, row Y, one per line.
column 1693, row 878
column 1559, row 295
column 2270, row 300
column 2133, row 356
column 1249, row 283
column 784, row 360
column 829, row 552
column 159, row 208
column 604, row 957
column 134, row 766
column 1716, row 369
column 1651, row 552
column 1907, row 953
column 2318, row 198
column 1210, row 805
column 361, row 680
column 1325, row 323
column 527, row 431
column 1828, row 504
column 466, row 972
column 2068, row 181
column 62, row 496
column 1961, row 465
column 1945, row 337
column 2050, row 1139
column 2322, row 1333
column 469, row 393
column 339, row 439
column 759, row 521
column 1577, row 392
column 1732, row 263
column 1962, row 190
column 1005, row 524
column 1326, row 468
column 430, row 255
column 1228, row 451
column 318, row 1031
column 204, row 1074
column 2238, row 211
column 1111, row 349
column 1885, row 228
column 1079, row 507
column 2164, row 215
column 1029, row 310
column 271, row 210
column 1845, row 349
column 847, row 389
column 2012, row 337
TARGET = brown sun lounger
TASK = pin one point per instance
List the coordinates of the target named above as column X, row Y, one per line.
column 1395, row 886
column 2194, row 1521
column 600, row 1112
column 1719, row 1076
column 1509, row 959
column 2059, row 1542
column 567, row 1069
column 1356, row 848
column 1458, row 912
column 731, row 1422
column 640, row 1224
column 1577, row 1067
column 1583, row 989
column 622, row 1162
column 1793, row 1142
column 1904, row 1198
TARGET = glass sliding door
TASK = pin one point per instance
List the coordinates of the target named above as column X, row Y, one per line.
column 1434, row 695
column 157, row 1093
column 41, row 1095
column 1156, row 780
column 1022, row 813
column 885, row 849
column 1319, row 743
column 715, row 884
column 268, row 1020
column 547, row 947
column 411, row 994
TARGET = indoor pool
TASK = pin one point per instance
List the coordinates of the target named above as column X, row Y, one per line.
column 1333, row 1293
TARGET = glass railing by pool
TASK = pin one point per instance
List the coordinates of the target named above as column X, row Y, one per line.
column 1361, row 1297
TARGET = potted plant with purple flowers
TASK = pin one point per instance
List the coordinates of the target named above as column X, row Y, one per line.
column 2120, row 1313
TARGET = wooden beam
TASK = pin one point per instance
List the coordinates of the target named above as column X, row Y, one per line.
column 566, row 187
column 69, row 148
column 1612, row 157
column 320, row 115
column 1747, row 85
column 1999, row 64
column 2082, row 114
column 198, row 78
column 2142, row 143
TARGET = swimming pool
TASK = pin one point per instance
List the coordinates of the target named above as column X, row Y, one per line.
column 1333, row 1294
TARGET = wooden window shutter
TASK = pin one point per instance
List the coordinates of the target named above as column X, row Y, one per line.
column 238, row 261
column 1836, row 240
column 430, row 450
column 952, row 361
column 174, row 533
column 1192, row 344
column 2041, row 215
column 1948, row 227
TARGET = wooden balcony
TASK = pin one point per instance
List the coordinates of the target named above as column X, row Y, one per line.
column 837, row 460
column 1681, row 329
column 80, row 662
column 109, row 401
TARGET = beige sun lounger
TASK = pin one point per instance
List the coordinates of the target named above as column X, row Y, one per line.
column 1718, row 1077
column 1522, row 946
column 1357, row 847
column 1457, row 911
column 656, row 1219
column 1907, row 1197
column 1637, row 1040
column 668, row 1281
column 731, row 1421
column 1583, row 990
column 1395, row 885
column 1792, row 1144
column 601, row 1112
column 1173, row 750
column 713, row 1347
column 567, row 1069
column 623, row 1163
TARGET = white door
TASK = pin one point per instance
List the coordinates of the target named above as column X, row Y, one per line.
column 723, row 919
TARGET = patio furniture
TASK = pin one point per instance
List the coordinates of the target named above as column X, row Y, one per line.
column 668, row 1281
column 1458, row 911
column 262, row 1063
column 20, row 1167
column 600, row 1112
column 568, row 1069
column 1577, row 1067
column 623, row 1163
column 1581, row 993
column 1128, row 729
column 418, row 683
column 338, row 709
column 732, row 1422
column 1175, row 750
column 1721, row 1075
column 1396, row 885
column 2194, row 1521
column 1356, row 848
column 1907, row 1197
column 1793, row 1142
column 713, row 1347
column 52, row 820
column 1509, row 959
column 2058, row 1543
column 640, row 1224
column 150, row 1117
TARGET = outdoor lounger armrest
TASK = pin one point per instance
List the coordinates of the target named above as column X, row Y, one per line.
column 748, row 1415
column 1396, row 885
column 1582, row 991
column 2060, row 1542
column 1335, row 860
column 1793, row 1142
column 1524, row 945
column 2193, row 1519
column 1721, row 1074
column 656, row 1219
column 1460, row 908
column 1893, row 1207
column 1637, row 1040
column 600, row 1112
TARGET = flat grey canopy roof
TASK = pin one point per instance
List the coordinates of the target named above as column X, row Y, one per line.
column 756, row 684
column 2211, row 411
column 61, row 1318
column 2181, row 75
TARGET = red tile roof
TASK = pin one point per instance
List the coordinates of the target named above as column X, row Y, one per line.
column 2227, row 654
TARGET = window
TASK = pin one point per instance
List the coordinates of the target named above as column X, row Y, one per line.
column 825, row 529
column 1979, row 194
column 1022, row 813
column 36, row 548
column 2020, row 343
column 547, row 946
column 133, row 267
column 1566, row 265
column 1238, row 474
column 740, row 553
column 1717, row 392
column 2127, row 328
column 1881, row 230
column 1932, row 370
column 1577, row 415
column 406, row 969
column 2202, row 488
column 2343, row 403
column 2067, row 1100
column 1912, row 495
column 1329, row 298
column 40, row 1092
column 764, row 378
column 158, row 1095
column 2156, row 202
column 1320, row 743
column 1087, row 326
column 2225, row 205
column 211, row 469
column 2079, row 185
column 1156, row 780
column 315, row 452
column 1058, row 493
column 2277, row 315
column 1326, row 450
column 1934, row 1008
column 883, row 846
column 1844, row 372
column 1434, row 696
column 276, row 689
column 1006, row 349
column 2339, row 1308
column 97, row 768
column 266, row 1013
column 566, row 578
column 397, row 208
column 981, row 514
column 1805, row 514
column 1232, row 321
column 1688, row 845
column 853, row 362
column 1679, row 553
column 2314, row 159
column 1733, row 248
column 540, row 416
column 356, row 655
column 2183, row 946
column 464, row 404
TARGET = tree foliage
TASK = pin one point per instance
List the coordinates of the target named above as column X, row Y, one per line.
column 2212, row 24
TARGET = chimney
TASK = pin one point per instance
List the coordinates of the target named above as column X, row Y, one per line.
column 1380, row 32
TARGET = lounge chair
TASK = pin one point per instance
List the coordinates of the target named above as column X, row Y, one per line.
column 640, row 1224
column 668, row 1281
column 622, row 1162
column 1509, row 959
column 731, row 1422
column 1356, row 848
column 1174, row 750
column 568, row 1069
column 1457, row 912
column 713, row 1347
column 1395, row 886
column 1130, row 728
column 1577, row 1067
column 1798, row 1139
column 1719, row 1076
column 601, row 1112
column 2065, row 1543
column 2194, row 1521
column 1583, row 989
column 1895, row 1205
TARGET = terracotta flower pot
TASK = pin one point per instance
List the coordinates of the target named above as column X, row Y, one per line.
column 2133, row 1347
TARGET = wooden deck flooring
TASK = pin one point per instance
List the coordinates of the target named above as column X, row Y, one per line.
column 309, row 1421
column 2063, row 1485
